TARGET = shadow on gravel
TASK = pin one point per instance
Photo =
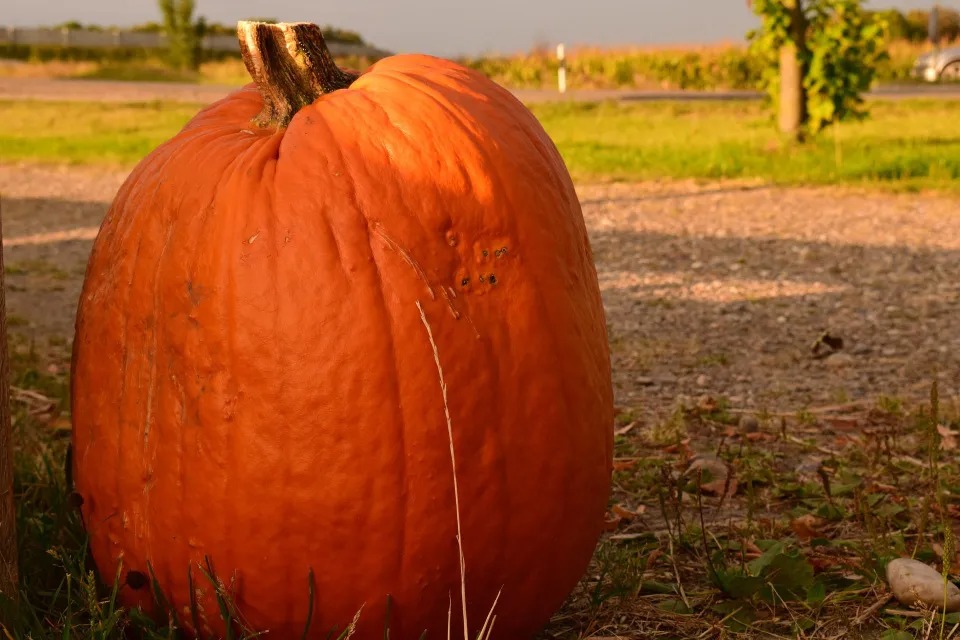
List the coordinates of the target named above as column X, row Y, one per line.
column 688, row 315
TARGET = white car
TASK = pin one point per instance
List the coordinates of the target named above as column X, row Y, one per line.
column 943, row 64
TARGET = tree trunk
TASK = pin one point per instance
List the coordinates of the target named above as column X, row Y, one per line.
column 791, row 92
column 8, row 532
column 793, row 96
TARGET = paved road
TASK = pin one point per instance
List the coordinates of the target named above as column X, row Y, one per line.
column 114, row 91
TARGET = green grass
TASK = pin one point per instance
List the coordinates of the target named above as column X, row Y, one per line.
column 87, row 133
column 909, row 144
column 143, row 72
column 906, row 145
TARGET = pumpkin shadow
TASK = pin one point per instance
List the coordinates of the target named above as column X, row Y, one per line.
column 741, row 310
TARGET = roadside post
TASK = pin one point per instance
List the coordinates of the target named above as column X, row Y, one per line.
column 561, row 69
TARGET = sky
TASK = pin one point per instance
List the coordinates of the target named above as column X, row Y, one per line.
column 453, row 27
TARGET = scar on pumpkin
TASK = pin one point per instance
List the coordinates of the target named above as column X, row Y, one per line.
column 393, row 244
column 193, row 293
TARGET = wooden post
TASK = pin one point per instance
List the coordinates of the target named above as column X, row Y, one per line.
column 793, row 96
column 561, row 69
column 8, row 533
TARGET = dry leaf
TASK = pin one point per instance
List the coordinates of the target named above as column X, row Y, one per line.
column 823, row 563
column 611, row 522
column 948, row 438
column 683, row 447
column 806, row 527
column 652, row 558
column 713, row 476
column 623, row 513
column 707, row 404
column 624, row 464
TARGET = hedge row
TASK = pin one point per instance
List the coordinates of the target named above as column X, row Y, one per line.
column 701, row 69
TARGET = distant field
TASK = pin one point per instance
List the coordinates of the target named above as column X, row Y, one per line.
column 905, row 145
column 706, row 67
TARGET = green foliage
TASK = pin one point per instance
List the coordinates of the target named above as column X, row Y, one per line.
column 899, row 27
column 147, row 27
column 183, row 34
column 74, row 25
column 766, row 41
column 845, row 46
column 913, row 26
column 839, row 46
column 335, row 34
column 777, row 574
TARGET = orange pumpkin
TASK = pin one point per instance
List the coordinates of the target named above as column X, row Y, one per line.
column 256, row 394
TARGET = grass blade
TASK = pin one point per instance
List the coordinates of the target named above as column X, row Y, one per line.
column 311, row 587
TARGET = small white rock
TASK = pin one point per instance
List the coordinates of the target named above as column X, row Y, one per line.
column 915, row 583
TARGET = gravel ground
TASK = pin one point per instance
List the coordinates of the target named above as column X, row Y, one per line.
column 713, row 289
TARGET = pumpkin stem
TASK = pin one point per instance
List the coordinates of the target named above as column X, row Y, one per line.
column 291, row 65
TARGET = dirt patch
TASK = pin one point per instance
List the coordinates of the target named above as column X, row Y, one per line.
column 725, row 290
column 715, row 290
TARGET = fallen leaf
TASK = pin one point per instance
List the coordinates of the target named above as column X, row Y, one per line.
column 611, row 522
column 623, row 513
column 712, row 475
column 707, row 404
column 751, row 550
column 624, row 464
column 681, row 447
column 823, row 563
column 948, row 438
column 806, row 527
